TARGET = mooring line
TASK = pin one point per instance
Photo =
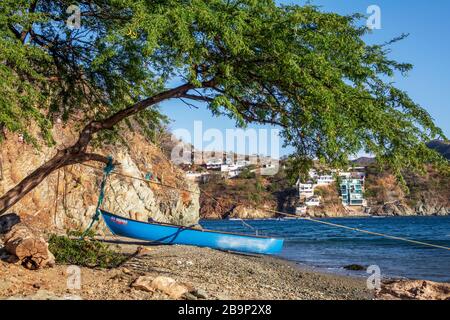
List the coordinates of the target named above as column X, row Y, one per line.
column 283, row 213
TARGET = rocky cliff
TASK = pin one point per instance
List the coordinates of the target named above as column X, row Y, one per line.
column 245, row 198
column 67, row 199
column 426, row 194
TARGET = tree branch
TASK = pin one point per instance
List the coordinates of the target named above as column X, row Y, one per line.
column 77, row 153
column 197, row 98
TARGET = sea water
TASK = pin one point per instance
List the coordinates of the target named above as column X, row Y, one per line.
column 330, row 248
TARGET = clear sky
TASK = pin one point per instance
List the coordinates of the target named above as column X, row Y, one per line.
column 427, row 48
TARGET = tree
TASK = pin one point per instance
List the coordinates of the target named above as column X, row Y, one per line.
column 295, row 67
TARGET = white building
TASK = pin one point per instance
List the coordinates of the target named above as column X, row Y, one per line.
column 300, row 210
column 242, row 163
column 197, row 176
column 305, row 190
column 324, row 180
column 234, row 173
column 214, row 164
column 270, row 169
column 356, row 173
column 232, row 170
column 228, row 167
column 312, row 202
column 320, row 178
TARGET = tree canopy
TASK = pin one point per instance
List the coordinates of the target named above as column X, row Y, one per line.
column 296, row 67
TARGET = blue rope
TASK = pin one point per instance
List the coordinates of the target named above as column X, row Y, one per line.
column 106, row 172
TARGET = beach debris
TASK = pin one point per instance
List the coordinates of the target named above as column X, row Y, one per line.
column 414, row 289
column 169, row 286
column 26, row 247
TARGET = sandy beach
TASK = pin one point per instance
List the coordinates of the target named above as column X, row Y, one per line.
column 218, row 275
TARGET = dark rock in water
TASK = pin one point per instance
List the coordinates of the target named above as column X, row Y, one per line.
column 355, row 267
column 8, row 221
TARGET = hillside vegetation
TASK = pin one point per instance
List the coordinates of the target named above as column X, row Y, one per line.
column 250, row 195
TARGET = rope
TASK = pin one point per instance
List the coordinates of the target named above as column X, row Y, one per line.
column 142, row 179
column 285, row 214
column 362, row 231
column 249, row 226
column 106, row 172
column 168, row 186
column 56, row 197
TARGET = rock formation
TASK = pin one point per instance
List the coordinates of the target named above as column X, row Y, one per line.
column 414, row 290
column 67, row 199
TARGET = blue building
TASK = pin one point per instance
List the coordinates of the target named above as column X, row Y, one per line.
column 352, row 192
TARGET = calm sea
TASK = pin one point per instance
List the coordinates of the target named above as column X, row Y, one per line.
column 330, row 248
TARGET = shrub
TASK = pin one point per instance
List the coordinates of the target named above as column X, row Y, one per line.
column 84, row 252
column 247, row 174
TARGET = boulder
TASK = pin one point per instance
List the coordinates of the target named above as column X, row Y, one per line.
column 143, row 283
column 170, row 287
column 166, row 285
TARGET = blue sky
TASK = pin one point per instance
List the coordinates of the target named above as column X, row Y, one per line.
column 427, row 48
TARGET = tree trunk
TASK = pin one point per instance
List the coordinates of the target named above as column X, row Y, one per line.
column 61, row 159
column 77, row 153
column 31, row 250
column 23, row 245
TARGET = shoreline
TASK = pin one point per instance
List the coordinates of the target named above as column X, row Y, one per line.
column 220, row 275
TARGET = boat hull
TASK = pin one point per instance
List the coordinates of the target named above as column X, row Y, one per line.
column 171, row 234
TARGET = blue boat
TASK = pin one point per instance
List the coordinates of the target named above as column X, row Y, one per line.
column 172, row 234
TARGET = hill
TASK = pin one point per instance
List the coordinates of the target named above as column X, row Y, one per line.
column 441, row 146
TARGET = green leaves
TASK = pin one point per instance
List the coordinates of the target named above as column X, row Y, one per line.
column 295, row 67
column 84, row 252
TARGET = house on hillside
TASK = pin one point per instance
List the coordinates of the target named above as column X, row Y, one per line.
column 242, row 163
column 214, row 164
column 325, row 180
column 200, row 177
column 305, row 190
column 351, row 186
column 321, row 179
column 352, row 192
column 232, row 171
column 312, row 202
